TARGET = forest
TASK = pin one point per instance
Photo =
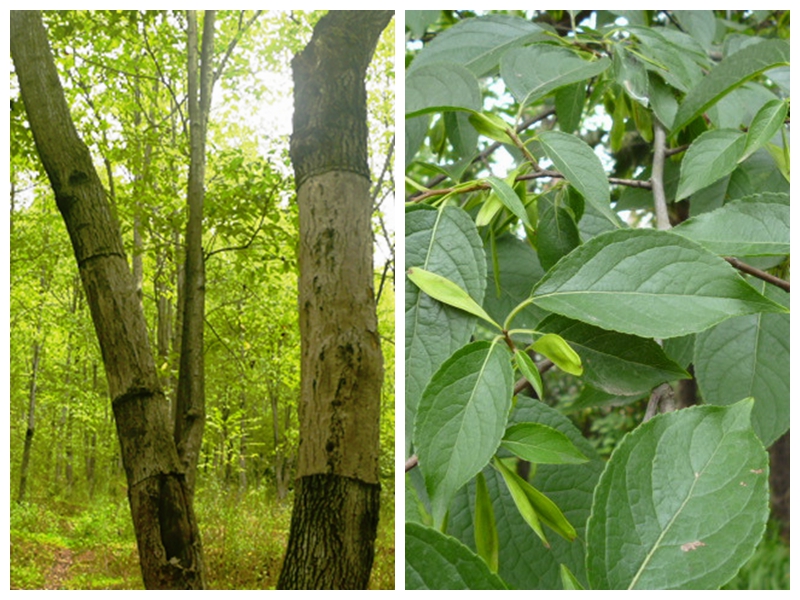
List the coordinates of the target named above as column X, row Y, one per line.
column 597, row 299
column 156, row 340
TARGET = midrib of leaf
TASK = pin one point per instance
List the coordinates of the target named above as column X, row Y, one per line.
column 666, row 529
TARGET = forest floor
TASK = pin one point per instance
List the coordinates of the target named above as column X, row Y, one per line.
column 62, row 545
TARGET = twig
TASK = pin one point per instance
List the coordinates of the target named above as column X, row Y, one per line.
column 763, row 275
column 659, row 197
column 411, row 463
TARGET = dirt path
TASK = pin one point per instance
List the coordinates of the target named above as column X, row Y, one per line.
column 58, row 573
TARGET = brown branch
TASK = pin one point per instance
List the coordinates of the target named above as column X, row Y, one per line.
column 763, row 275
column 657, row 179
column 411, row 463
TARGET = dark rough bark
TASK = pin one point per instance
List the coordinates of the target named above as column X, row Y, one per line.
column 331, row 551
column 153, row 471
column 779, row 474
column 335, row 516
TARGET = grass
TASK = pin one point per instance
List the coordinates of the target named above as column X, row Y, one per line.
column 59, row 545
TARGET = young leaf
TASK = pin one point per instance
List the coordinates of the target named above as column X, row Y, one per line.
column 733, row 71
column 509, row 198
column 486, row 540
column 491, row 126
column 514, row 484
column 541, row 444
column 710, row 157
column 435, row 561
column 444, row 290
column 461, row 419
column 632, row 280
column 576, row 161
column 554, row 347
column 682, row 503
column 568, row 580
column 529, row 371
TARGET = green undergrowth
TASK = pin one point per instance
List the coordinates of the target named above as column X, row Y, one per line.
column 62, row 545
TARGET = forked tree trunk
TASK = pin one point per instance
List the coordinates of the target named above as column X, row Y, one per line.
column 335, row 516
column 166, row 530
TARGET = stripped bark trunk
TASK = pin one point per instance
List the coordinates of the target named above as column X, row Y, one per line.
column 166, row 530
column 335, row 516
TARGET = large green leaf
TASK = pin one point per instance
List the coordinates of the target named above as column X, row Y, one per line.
column 756, row 225
column 478, row 44
column 733, row 71
column 648, row 283
column 445, row 242
column 682, row 503
column 557, row 232
column 615, row 362
column 578, row 163
column 435, row 561
column 749, row 356
column 533, row 72
column 439, row 87
column 461, row 419
column 710, row 157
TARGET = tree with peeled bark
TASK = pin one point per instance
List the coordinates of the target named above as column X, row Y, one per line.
column 337, row 493
column 167, row 536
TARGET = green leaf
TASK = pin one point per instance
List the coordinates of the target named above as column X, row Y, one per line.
column 533, row 72
column 756, row 225
column 509, row 198
column 514, row 485
column 417, row 21
column 529, row 371
column 518, row 270
column 636, row 281
column 614, row 362
column 461, row 419
column 710, row 157
column 486, row 540
column 554, row 347
column 749, row 356
column 569, row 106
column 461, row 134
column 576, row 161
column 733, row 71
column 768, row 120
column 478, row 44
column 557, row 232
column 442, row 289
column 446, row 242
column 539, row 444
column 435, row 561
column 682, row 503
column 440, row 87
column 416, row 130
column 568, row 580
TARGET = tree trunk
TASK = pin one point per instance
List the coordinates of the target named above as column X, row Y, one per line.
column 190, row 396
column 166, row 530
column 29, row 431
column 335, row 516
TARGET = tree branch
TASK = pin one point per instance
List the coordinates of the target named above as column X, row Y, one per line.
column 758, row 273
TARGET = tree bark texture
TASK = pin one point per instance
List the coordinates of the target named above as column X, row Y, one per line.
column 335, row 516
column 168, row 540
